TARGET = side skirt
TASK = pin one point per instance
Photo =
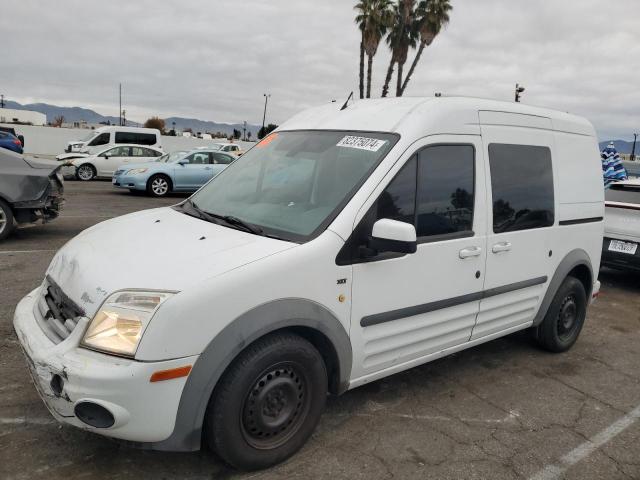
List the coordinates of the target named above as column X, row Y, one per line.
column 433, row 356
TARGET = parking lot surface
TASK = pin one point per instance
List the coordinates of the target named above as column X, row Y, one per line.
column 504, row 409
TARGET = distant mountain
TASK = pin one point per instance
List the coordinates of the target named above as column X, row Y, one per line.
column 622, row 146
column 77, row 114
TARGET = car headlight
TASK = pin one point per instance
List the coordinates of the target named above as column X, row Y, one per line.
column 136, row 171
column 119, row 324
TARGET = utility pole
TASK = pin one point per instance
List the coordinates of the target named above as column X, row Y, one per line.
column 120, row 105
column 633, row 149
column 266, row 99
column 124, row 118
column 244, row 131
column 1, row 101
column 519, row 90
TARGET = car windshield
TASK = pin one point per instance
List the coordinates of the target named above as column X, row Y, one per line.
column 171, row 157
column 293, row 184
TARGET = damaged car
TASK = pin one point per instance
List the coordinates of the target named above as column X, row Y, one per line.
column 31, row 191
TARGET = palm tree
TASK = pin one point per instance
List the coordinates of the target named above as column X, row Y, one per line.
column 403, row 35
column 361, row 19
column 431, row 17
column 379, row 20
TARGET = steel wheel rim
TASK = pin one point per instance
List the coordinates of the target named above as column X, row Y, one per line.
column 85, row 172
column 3, row 220
column 567, row 320
column 275, row 406
column 159, row 186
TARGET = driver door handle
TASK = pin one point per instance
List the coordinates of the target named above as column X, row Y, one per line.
column 470, row 252
column 501, row 247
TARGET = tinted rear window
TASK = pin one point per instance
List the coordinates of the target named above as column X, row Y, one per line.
column 623, row 193
column 136, row 138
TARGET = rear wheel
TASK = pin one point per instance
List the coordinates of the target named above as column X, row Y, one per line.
column 85, row 172
column 564, row 320
column 267, row 403
column 6, row 220
column 159, row 185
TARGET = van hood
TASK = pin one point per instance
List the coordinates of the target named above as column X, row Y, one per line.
column 159, row 249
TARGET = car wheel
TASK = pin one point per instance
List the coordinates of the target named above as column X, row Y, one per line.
column 159, row 185
column 85, row 172
column 267, row 403
column 6, row 220
column 564, row 320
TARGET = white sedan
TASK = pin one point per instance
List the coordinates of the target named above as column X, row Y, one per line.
column 105, row 162
column 622, row 226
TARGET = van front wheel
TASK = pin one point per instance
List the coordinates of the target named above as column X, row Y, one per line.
column 267, row 403
column 564, row 320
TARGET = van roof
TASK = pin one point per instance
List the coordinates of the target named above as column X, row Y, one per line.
column 109, row 128
column 424, row 115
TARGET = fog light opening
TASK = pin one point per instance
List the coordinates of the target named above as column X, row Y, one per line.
column 94, row 415
column 57, row 385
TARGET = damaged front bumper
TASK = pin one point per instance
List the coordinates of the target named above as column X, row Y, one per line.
column 67, row 376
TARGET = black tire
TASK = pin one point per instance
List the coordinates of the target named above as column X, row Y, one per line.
column 6, row 220
column 267, row 403
column 564, row 320
column 159, row 185
column 86, row 172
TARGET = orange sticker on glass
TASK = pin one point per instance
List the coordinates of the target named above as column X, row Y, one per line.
column 266, row 141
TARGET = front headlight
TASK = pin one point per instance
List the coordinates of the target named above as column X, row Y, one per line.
column 118, row 326
column 136, row 171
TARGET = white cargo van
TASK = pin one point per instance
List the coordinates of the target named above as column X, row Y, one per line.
column 113, row 135
column 344, row 247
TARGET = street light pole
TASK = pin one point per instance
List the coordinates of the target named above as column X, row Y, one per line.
column 633, row 149
column 1, row 101
column 120, row 104
column 264, row 117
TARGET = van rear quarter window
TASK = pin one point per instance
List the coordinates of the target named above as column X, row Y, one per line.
column 137, row 138
column 522, row 187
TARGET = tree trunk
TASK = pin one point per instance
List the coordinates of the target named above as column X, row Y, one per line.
column 413, row 67
column 399, row 80
column 369, row 67
column 387, row 80
column 361, row 69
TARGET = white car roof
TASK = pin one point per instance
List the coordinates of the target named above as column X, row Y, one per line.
column 110, row 146
column 417, row 116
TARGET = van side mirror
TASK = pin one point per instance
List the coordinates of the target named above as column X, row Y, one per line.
column 393, row 236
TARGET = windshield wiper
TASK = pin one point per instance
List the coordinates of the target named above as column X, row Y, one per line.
column 235, row 221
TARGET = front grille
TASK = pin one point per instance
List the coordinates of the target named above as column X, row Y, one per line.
column 57, row 314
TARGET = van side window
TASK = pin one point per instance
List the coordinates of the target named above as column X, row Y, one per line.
column 445, row 190
column 136, row 138
column 522, row 187
column 102, row 139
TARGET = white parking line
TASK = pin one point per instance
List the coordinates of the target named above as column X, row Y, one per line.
column 26, row 421
column 582, row 451
column 11, row 252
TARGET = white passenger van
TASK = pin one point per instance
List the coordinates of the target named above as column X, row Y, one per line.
column 115, row 135
column 344, row 247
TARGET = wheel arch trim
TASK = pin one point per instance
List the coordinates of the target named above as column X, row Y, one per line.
column 223, row 349
column 575, row 258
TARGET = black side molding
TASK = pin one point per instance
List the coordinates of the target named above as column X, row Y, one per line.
column 577, row 221
column 391, row 315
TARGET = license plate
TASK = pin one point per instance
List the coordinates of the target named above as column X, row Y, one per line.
column 623, row 247
column 113, row 180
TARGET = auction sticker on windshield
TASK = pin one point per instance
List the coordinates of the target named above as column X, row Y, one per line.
column 361, row 143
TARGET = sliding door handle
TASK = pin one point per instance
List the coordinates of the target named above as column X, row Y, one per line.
column 501, row 247
column 470, row 252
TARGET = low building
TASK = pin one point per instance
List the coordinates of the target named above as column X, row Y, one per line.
column 9, row 115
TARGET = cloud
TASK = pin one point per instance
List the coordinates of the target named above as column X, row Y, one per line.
column 214, row 60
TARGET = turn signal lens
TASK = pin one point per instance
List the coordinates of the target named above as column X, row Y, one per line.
column 170, row 374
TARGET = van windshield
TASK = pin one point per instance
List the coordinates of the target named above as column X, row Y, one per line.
column 89, row 136
column 293, row 184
